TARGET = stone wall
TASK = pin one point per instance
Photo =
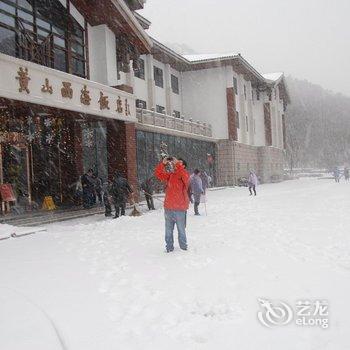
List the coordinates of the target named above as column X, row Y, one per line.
column 235, row 160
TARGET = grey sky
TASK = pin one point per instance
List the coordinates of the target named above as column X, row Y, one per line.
column 309, row 39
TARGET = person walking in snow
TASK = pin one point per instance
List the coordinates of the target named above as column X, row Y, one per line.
column 252, row 182
column 196, row 189
column 346, row 174
column 121, row 191
column 173, row 173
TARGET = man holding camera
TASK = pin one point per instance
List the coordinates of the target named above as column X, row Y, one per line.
column 173, row 172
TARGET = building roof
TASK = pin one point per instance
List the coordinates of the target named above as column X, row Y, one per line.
column 209, row 57
column 273, row 77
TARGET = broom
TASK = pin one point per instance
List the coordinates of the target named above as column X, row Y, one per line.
column 135, row 211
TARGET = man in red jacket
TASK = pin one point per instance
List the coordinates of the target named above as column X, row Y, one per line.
column 173, row 173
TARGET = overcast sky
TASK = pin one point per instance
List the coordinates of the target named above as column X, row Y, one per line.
column 309, row 39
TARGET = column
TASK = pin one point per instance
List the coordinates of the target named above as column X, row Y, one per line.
column 151, row 87
column 168, row 91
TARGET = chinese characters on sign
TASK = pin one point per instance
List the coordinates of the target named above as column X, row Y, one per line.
column 66, row 90
column 23, row 80
column 85, row 96
column 123, row 107
column 47, row 87
column 103, row 101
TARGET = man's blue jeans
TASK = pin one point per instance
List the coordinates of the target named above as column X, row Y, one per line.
column 173, row 217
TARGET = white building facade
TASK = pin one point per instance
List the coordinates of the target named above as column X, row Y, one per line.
column 84, row 86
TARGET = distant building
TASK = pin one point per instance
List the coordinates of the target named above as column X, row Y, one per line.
column 85, row 87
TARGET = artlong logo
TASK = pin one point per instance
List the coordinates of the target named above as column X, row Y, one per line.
column 308, row 313
column 278, row 314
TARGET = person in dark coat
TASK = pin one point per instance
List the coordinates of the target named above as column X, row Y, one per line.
column 107, row 198
column 346, row 174
column 120, row 191
column 147, row 188
column 88, row 186
column 97, row 188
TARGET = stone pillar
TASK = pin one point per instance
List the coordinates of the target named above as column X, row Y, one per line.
column 231, row 113
column 151, row 86
column 121, row 147
column 168, row 91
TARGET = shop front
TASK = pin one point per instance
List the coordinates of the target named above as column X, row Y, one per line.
column 54, row 127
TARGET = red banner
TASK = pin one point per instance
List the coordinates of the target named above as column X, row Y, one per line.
column 6, row 192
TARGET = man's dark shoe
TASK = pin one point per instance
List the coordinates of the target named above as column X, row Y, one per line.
column 183, row 248
column 169, row 250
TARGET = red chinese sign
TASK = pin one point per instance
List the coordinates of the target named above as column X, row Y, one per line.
column 6, row 193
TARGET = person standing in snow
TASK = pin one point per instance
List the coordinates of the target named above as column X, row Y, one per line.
column 252, row 182
column 196, row 188
column 205, row 180
column 173, row 173
column 336, row 174
column 121, row 191
column 346, row 174
column 147, row 188
column 87, row 183
column 107, row 198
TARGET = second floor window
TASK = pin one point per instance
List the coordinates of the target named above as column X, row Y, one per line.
column 175, row 84
column 237, row 120
column 140, row 71
column 258, row 95
column 49, row 36
column 235, row 85
column 160, row 109
column 158, row 76
column 176, row 114
column 246, row 123
column 245, row 92
column 141, row 104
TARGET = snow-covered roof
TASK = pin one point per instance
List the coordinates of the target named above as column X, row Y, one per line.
column 210, row 56
column 273, row 76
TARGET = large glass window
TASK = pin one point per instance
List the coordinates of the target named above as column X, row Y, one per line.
column 175, row 84
column 140, row 71
column 43, row 32
column 158, row 76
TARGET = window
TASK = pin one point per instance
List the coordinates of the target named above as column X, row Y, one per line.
column 160, row 109
column 237, row 120
column 140, row 71
column 141, row 104
column 33, row 26
column 258, row 95
column 158, row 76
column 175, row 84
column 245, row 92
column 252, row 94
column 235, row 86
column 246, row 123
column 176, row 114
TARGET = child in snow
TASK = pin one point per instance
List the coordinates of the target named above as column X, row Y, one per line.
column 252, row 182
column 196, row 187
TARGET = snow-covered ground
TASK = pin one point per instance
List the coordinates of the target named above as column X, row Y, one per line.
column 106, row 284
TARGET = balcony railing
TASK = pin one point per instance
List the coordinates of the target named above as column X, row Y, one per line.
column 148, row 117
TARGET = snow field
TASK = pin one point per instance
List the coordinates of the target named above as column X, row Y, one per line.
column 108, row 284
